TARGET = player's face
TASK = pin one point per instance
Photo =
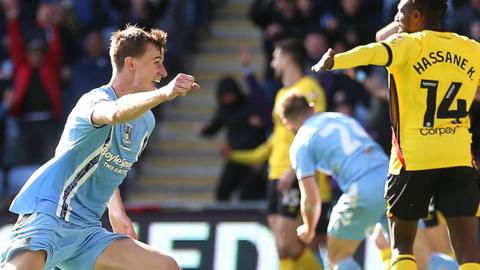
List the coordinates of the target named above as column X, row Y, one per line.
column 149, row 69
column 292, row 124
column 278, row 63
column 407, row 16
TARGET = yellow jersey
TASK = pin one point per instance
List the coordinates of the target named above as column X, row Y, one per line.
column 433, row 80
column 276, row 148
column 282, row 137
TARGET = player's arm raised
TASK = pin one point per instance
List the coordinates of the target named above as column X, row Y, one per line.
column 310, row 208
column 393, row 52
column 388, row 30
column 371, row 54
column 131, row 106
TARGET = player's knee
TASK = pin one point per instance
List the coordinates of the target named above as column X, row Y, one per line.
column 333, row 257
column 285, row 249
column 282, row 249
column 335, row 254
column 162, row 261
column 170, row 264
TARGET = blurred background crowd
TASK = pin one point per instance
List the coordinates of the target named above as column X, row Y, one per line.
column 53, row 51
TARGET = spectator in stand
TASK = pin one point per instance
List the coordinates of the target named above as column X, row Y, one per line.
column 142, row 12
column 237, row 114
column 279, row 19
column 344, row 93
column 316, row 43
column 467, row 18
column 309, row 14
column 92, row 68
column 351, row 23
column 36, row 106
column 258, row 91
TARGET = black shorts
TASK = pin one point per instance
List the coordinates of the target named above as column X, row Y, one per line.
column 283, row 203
column 433, row 217
column 455, row 192
column 288, row 204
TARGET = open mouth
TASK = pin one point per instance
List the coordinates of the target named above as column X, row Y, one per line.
column 156, row 83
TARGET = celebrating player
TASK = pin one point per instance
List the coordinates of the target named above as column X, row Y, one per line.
column 61, row 204
column 434, row 77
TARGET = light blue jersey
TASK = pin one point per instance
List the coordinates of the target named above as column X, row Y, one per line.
column 89, row 163
column 336, row 145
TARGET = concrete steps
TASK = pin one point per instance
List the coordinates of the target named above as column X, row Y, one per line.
column 182, row 168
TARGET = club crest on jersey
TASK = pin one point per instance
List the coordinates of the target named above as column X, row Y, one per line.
column 127, row 134
column 395, row 39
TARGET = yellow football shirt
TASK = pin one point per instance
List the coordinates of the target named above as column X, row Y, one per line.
column 282, row 137
column 434, row 77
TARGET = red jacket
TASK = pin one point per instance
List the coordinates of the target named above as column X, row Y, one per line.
column 49, row 69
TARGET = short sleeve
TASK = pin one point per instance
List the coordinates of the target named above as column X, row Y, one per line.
column 86, row 105
column 399, row 47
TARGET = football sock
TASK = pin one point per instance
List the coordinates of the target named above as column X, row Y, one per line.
column 307, row 260
column 404, row 262
column 470, row 266
column 385, row 256
column 287, row 264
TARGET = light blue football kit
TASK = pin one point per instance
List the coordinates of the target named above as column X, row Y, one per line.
column 62, row 202
column 337, row 145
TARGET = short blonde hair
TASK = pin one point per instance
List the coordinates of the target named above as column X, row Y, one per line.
column 132, row 42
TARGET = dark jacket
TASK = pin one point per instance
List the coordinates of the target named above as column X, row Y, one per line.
column 235, row 118
column 49, row 69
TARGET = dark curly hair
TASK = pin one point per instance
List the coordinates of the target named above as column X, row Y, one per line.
column 432, row 10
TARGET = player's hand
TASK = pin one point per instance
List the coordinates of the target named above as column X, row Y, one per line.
column 245, row 56
column 181, row 85
column 121, row 223
column 286, row 181
column 326, row 62
column 304, row 234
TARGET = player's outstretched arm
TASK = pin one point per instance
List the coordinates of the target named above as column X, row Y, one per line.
column 254, row 156
column 119, row 220
column 131, row 106
column 371, row 54
column 310, row 208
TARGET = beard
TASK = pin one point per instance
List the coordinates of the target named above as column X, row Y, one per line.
column 277, row 75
